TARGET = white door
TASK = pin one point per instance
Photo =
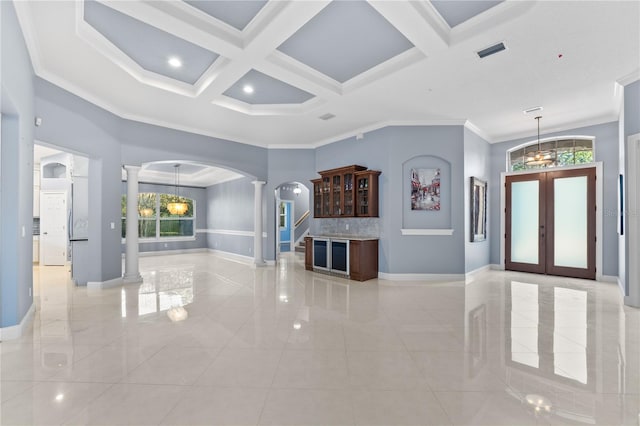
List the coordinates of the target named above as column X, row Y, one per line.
column 53, row 228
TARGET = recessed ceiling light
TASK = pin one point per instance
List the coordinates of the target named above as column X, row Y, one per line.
column 248, row 89
column 175, row 62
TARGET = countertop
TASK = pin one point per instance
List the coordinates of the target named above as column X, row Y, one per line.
column 345, row 237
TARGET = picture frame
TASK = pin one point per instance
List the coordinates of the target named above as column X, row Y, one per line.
column 478, row 209
column 425, row 189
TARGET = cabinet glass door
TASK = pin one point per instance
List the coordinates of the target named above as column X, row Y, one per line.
column 348, row 194
column 317, row 200
column 326, row 206
column 363, row 196
column 336, row 195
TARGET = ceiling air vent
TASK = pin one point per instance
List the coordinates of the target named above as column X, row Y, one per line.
column 491, row 50
column 534, row 109
column 327, row 116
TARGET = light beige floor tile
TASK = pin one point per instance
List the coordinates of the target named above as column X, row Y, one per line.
column 390, row 370
column 312, row 370
column 173, row 365
column 397, row 408
column 49, row 403
column 130, row 404
column 242, row 368
column 307, row 407
column 281, row 345
column 218, row 406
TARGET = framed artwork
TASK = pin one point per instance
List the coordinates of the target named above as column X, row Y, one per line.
column 478, row 210
column 425, row 189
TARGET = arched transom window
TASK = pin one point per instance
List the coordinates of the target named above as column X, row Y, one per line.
column 551, row 153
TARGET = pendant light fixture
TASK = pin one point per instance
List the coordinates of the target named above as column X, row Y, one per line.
column 297, row 190
column 539, row 158
column 177, row 207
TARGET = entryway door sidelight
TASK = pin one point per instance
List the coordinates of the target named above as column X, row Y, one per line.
column 550, row 223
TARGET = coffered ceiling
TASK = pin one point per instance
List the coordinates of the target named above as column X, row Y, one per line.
column 264, row 72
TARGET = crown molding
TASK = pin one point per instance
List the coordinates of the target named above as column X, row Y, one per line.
column 478, row 131
column 632, row 77
column 573, row 125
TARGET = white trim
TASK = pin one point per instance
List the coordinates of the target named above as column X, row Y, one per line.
column 632, row 207
column 247, row 260
column 171, row 252
column 420, row 277
column 496, row 267
column 229, row 232
column 471, row 276
column 426, row 231
column 97, row 285
column 608, row 279
column 15, row 331
column 599, row 211
column 632, row 77
column 479, row 132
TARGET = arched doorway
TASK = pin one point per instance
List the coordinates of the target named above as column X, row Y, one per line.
column 291, row 216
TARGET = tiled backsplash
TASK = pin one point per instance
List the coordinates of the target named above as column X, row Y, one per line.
column 361, row 227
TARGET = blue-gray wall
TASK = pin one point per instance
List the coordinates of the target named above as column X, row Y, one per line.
column 77, row 126
column 144, row 143
column 477, row 153
column 230, row 208
column 16, row 171
column 391, row 150
column 199, row 195
column 606, row 150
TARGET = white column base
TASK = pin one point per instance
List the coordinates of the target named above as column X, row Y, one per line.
column 134, row 279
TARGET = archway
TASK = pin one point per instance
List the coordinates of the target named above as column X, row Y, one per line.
column 292, row 216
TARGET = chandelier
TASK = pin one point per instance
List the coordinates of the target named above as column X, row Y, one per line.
column 539, row 157
column 177, row 207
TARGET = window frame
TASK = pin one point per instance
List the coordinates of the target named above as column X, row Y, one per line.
column 552, row 139
column 158, row 218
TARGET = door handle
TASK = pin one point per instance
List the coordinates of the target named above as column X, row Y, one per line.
column 45, row 233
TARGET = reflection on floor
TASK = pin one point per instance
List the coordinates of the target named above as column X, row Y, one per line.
column 210, row 341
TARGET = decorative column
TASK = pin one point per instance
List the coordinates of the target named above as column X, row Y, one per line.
column 131, row 273
column 257, row 224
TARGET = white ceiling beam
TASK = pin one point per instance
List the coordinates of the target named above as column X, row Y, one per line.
column 418, row 22
column 176, row 18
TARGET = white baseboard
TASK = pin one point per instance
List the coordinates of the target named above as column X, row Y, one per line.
column 169, row 252
column 496, row 267
column 15, row 331
column 608, row 279
column 472, row 275
column 420, row 277
column 232, row 256
column 115, row 282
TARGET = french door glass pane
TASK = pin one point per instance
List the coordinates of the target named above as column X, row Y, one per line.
column 524, row 221
column 570, row 219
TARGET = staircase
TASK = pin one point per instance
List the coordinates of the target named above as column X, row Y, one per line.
column 300, row 247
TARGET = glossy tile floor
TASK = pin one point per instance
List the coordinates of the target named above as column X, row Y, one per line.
column 209, row 341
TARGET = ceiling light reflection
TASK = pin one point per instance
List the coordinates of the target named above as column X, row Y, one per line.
column 59, row 397
column 177, row 313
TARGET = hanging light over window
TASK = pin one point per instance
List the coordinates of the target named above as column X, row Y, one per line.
column 297, row 190
column 177, row 207
column 540, row 157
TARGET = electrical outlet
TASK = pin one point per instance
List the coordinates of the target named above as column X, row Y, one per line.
column 347, row 226
column 166, row 245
